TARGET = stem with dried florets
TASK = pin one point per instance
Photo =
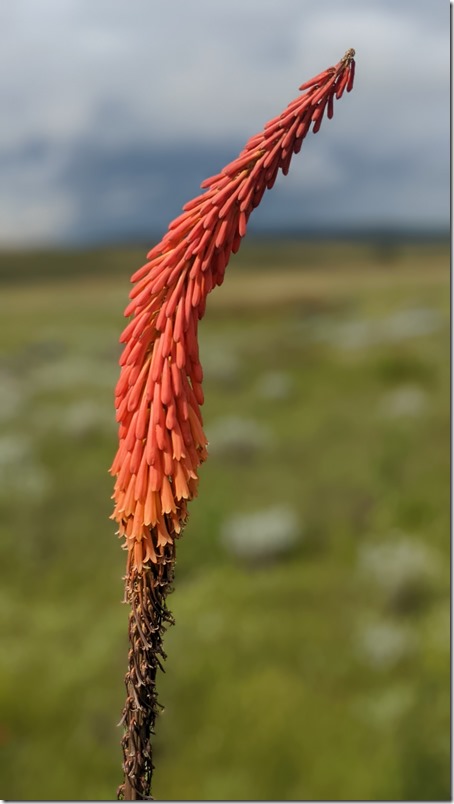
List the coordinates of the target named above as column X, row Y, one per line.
column 146, row 592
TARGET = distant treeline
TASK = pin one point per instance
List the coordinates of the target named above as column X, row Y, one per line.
column 257, row 253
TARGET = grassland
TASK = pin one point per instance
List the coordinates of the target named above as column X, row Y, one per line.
column 318, row 672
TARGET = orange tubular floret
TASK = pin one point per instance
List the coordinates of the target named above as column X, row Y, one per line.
column 129, row 501
column 149, row 553
column 177, row 444
column 167, row 499
column 140, row 491
column 152, row 508
column 163, row 534
column 181, row 486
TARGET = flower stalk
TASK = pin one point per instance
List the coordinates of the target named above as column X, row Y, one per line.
column 159, row 392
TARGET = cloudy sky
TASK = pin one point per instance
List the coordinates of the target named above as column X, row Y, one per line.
column 115, row 110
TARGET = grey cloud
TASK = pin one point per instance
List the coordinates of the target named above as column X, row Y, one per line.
column 114, row 111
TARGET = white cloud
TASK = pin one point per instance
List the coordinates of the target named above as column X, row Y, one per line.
column 28, row 222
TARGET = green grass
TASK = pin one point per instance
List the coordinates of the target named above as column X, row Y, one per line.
column 274, row 688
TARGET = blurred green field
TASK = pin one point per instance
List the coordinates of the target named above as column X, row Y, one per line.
column 315, row 669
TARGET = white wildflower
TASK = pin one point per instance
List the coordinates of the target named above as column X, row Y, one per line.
column 263, row 534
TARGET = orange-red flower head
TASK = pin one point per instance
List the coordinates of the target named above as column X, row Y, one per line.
column 159, row 392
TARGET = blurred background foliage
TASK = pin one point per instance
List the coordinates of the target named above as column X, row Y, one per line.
column 310, row 655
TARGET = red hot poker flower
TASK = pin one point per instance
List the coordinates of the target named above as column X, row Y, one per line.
column 159, row 392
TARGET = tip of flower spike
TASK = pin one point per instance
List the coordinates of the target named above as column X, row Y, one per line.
column 349, row 55
column 346, row 61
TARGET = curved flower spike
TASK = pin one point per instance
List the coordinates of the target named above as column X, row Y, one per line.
column 159, row 393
